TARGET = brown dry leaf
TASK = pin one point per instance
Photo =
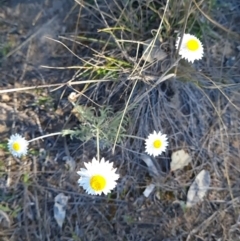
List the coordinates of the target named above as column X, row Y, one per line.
column 198, row 189
column 180, row 159
column 59, row 208
column 151, row 167
column 152, row 51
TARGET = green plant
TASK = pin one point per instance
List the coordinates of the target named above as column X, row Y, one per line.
column 102, row 123
column 5, row 48
column 4, row 146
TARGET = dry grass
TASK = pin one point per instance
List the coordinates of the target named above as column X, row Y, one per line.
column 95, row 48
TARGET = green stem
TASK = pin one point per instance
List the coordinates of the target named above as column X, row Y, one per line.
column 44, row 136
column 98, row 148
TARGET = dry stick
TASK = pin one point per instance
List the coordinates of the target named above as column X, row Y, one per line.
column 70, row 12
column 119, row 46
column 216, row 23
column 150, row 46
column 134, row 83
column 221, row 136
column 9, row 177
column 25, row 218
column 222, row 143
column 207, row 221
column 64, row 45
column 78, row 67
column 76, row 29
column 160, row 80
column 217, row 87
column 225, row 160
column 52, row 85
column 125, row 109
column 81, row 59
column 163, row 78
column 108, row 15
column 184, row 28
column 124, row 112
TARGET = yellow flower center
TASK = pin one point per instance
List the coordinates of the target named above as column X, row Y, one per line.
column 157, row 144
column 193, row 45
column 16, row 146
column 98, row 182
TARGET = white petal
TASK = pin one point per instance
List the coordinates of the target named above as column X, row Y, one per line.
column 22, row 143
column 187, row 54
column 103, row 168
column 150, row 149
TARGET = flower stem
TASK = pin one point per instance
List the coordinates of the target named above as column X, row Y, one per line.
column 98, row 148
column 44, row 136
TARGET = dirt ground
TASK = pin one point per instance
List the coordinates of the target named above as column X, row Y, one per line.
column 46, row 48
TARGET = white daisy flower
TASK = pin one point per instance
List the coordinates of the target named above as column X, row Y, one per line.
column 98, row 177
column 18, row 145
column 156, row 143
column 191, row 48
